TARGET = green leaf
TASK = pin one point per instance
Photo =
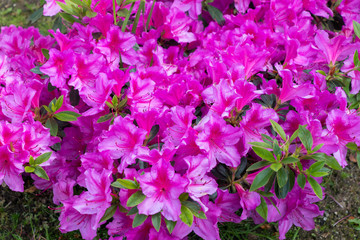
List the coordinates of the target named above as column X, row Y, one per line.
column 137, row 16
column 58, row 103
column 45, row 52
column 264, row 154
column 316, row 187
column 132, row 211
column 53, row 126
column 352, row 146
column 301, row 180
column 68, row 17
column 123, row 27
column 183, row 197
column 261, row 145
column 105, row 118
column 319, row 174
column 305, row 137
column 195, row 209
column 216, row 14
column 277, row 128
column 115, row 101
column 40, row 172
column 149, row 16
column 43, row 158
column 36, row 70
column 356, row 59
column 156, row 221
column 261, row 179
column 262, row 209
column 282, row 177
column 294, row 135
column 358, row 159
column 126, row 184
column 321, row 72
column 329, row 160
column 138, row 220
column 109, row 213
column 170, row 225
column 267, row 139
column 186, row 216
column 258, row 165
column 67, row 116
column 276, row 166
column 277, row 150
column 317, row 148
column 316, row 167
column 29, row 169
column 36, row 15
column 69, row 8
column 135, row 199
column 31, row 161
column 289, row 160
column 356, row 28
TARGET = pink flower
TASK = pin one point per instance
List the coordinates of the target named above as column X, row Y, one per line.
column 218, row 140
column 11, row 167
column 51, row 8
column 162, row 188
column 123, row 140
column 58, row 67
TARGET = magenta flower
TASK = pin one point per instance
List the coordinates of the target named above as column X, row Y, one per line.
column 118, row 42
column 123, row 140
column 218, row 140
column 248, row 200
column 11, row 167
column 58, row 67
column 162, row 188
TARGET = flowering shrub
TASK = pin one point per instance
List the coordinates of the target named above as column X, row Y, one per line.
column 159, row 118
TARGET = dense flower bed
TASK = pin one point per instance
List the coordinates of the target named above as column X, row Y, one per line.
column 159, row 118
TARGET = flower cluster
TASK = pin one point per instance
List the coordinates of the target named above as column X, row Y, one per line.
column 159, row 118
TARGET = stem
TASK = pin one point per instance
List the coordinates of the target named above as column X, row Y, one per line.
column 114, row 11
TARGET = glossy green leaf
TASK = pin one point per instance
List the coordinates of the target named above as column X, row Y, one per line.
column 258, row 165
column 261, row 179
column 216, row 14
column 132, row 211
column 109, row 213
column 53, row 126
column 45, row 52
column 40, row 172
column 277, row 128
column 264, row 154
column 29, row 169
column 315, row 167
column 294, row 135
column 262, row 209
column 282, row 177
column 135, row 199
column 125, row 184
column 156, row 221
column 356, row 59
column 186, row 216
column 36, row 70
column 276, row 166
column 301, row 180
column 316, row 187
column 138, row 220
column 43, row 158
column 356, row 26
column 305, row 137
column 289, row 160
column 105, row 118
column 352, row 146
column 261, row 145
column 67, row 116
column 170, row 225
column 317, row 148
